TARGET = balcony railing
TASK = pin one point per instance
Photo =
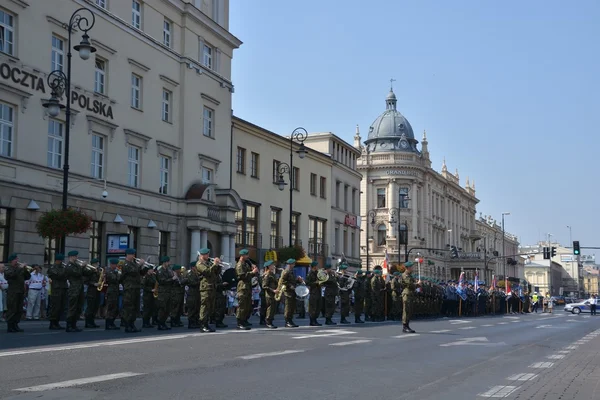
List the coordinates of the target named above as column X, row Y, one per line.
column 276, row 242
column 248, row 239
column 214, row 214
column 320, row 249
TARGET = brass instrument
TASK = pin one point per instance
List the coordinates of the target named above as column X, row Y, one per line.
column 146, row 264
column 101, row 280
column 25, row 266
column 322, row 276
column 86, row 265
column 155, row 290
column 280, row 293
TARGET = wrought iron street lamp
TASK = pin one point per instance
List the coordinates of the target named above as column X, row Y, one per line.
column 370, row 222
column 82, row 20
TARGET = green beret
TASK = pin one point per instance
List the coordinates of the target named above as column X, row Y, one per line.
column 192, row 264
column 314, row 263
column 204, row 251
column 327, row 266
column 290, row 261
column 113, row 261
column 343, row 266
column 244, row 252
column 130, row 251
column 378, row 272
column 175, row 267
column 268, row 263
column 164, row 259
column 94, row 260
column 359, row 271
column 408, row 264
column 396, row 273
column 59, row 257
column 73, row 253
column 13, row 257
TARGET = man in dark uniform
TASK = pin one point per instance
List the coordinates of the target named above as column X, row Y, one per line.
column 344, row 294
column 132, row 283
column 377, row 295
column 331, row 291
column 113, row 279
column 15, row 275
column 269, row 285
column 359, row 296
column 75, row 275
column 58, row 295
column 166, row 279
column 177, row 296
column 92, row 296
column 148, row 283
column 244, row 273
column 287, row 283
column 368, row 296
column 263, row 298
column 220, row 301
column 193, row 297
column 408, row 282
column 208, row 286
column 314, row 294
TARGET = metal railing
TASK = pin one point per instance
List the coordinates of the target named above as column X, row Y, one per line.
column 248, row 239
column 276, row 242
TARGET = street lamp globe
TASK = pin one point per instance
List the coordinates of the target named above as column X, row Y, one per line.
column 84, row 48
column 301, row 151
column 281, row 183
column 53, row 106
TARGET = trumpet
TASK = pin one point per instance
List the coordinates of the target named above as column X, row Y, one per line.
column 101, row 280
column 212, row 261
column 25, row 266
column 86, row 266
column 146, row 264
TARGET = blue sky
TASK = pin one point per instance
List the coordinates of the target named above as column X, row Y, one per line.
column 508, row 91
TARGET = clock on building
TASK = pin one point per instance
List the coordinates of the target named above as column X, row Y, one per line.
column 404, row 144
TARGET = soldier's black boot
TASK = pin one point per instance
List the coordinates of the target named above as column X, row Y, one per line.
column 242, row 326
column 328, row 321
column 270, row 325
column 154, row 322
column 133, row 328
column 248, row 324
column 107, row 324
column 146, row 324
column 409, row 329
column 344, row 321
column 10, row 328
column 162, row 326
column 290, row 324
column 357, row 320
column 90, row 323
column 207, row 328
column 112, row 326
column 220, row 324
column 263, row 321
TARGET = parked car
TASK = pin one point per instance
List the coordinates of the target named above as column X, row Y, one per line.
column 577, row 308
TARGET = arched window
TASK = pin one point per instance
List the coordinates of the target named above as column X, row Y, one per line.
column 381, row 235
column 403, row 233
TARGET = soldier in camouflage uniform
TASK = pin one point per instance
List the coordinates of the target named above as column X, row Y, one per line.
column 75, row 274
column 166, row 279
column 148, row 283
column 220, row 301
column 359, row 296
column 132, row 283
column 396, row 288
column 314, row 294
column 288, row 280
column 177, row 296
column 15, row 276
column 245, row 272
column 331, row 291
column 378, row 293
column 92, row 296
column 208, row 286
column 193, row 297
column 344, row 295
column 269, row 285
column 263, row 300
column 113, row 279
column 409, row 284
column 368, row 295
column 58, row 297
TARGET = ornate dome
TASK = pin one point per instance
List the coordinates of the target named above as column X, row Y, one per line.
column 391, row 130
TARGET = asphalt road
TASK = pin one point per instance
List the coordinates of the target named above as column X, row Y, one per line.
column 545, row 356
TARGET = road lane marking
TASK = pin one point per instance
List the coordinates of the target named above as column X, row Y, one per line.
column 467, row 327
column 350, row 342
column 502, row 323
column 555, row 357
column 406, row 335
column 77, row 382
column 275, row 353
column 543, row 364
column 513, row 317
column 499, row 391
column 571, row 347
column 487, row 325
column 515, row 321
column 325, row 333
column 522, row 377
column 563, row 351
column 459, row 321
column 442, row 331
column 473, row 341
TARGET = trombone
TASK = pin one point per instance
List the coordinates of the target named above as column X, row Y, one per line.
column 211, row 261
column 27, row 267
column 146, row 264
column 86, row 266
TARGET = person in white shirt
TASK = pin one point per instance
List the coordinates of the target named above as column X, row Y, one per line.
column 34, row 297
column 593, row 301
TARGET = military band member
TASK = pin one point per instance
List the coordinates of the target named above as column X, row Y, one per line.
column 314, row 294
column 344, row 295
column 269, row 285
column 377, row 295
column 166, row 279
column 113, row 280
column 220, row 301
column 396, row 287
column 92, row 296
column 210, row 272
column 177, row 296
column 193, row 297
column 331, row 291
column 287, row 283
column 148, row 283
column 75, row 275
column 359, row 296
column 132, row 283
column 263, row 298
column 408, row 282
column 15, row 275
column 368, row 296
column 245, row 272
column 58, row 293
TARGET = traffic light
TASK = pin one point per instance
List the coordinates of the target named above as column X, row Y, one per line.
column 453, row 252
column 576, row 250
column 552, row 252
column 546, row 253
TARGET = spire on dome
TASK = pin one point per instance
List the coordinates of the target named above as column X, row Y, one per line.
column 444, row 167
column 357, row 138
column 467, row 184
column 424, row 135
column 456, row 174
column 390, row 100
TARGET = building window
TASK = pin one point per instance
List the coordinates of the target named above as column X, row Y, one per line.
column 345, row 238
column 380, row 198
column 353, row 201
column 276, row 165
column 165, row 165
column 316, row 236
column 95, row 232
column 7, row 33
column 403, row 196
column 313, row 184
column 276, row 239
column 352, row 243
column 337, row 193
column 296, row 228
column 136, row 89
column 207, row 178
column 133, row 163
column 136, row 14
column 4, row 232
column 51, row 247
column 58, row 54
column 97, row 156
column 345, row 197
column 6, row 129
column 403, row 232
column 100, row 76
column 241, row 160
column 208, row 122
column 254, row 157
column 166, row 105
column 381, row 235
column 55, row 143
column 167, row 33
column 296, row 178
column 247, row 226
column 336, row 241
column 323, row 187
column 207, row 56
column 101, row 3
column 163, row 244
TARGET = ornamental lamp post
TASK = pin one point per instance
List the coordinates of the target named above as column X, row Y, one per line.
column 370, row 221
column 83, row 20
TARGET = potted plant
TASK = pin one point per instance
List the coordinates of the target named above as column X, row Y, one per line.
column 57, row 223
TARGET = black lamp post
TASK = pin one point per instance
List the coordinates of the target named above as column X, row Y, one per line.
column 61, row 84
column 402, row 233
column 299, row 135
column 370, row 221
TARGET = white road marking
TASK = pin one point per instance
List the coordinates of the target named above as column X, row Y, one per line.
column 571, row 347
column 573, row 320
column 77, row 382
column 408, row 335
column 487, row 325
column 350, row 342
column 275, row 353
column 467, row 327
column 502, row 323
column 543, row 326
column 515, row 321
column 545, row 364
column 442, row 331
column 473, row 341
column 459, row 321
column 325, row 333
column 513, row 317
column 522, row 377
column 499, row 391
column 556, row 357
column 563, row 351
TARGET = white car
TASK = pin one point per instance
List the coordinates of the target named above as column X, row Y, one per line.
column 577, row 308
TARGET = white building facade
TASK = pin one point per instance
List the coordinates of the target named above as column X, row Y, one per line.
column 150, row 127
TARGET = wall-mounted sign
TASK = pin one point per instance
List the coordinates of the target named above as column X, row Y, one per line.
column 402, row 172
column 117, row 243
column 566, row 258
column 472, row 256
column 350, row 220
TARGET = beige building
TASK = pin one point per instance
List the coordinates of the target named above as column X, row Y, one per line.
column 261, row 161
column 493, row 248
column 544, row 276
column 153, row 98
column 591, row 282
column 408, row 207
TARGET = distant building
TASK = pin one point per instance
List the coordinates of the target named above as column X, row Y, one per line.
column 544, row 276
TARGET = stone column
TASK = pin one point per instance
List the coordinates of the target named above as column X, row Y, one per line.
column 225, row 247
column 195, row 244
column 414, row 209
column 232, row 249
column 203, row 238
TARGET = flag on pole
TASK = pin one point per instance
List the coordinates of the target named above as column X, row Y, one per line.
column 476, row 280
column 506, row 286
column 493, row 282
column 461, row 289
column 386, row 263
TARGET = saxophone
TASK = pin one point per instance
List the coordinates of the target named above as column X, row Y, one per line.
column 278, row 295
column 101, row 280
column 155, row 290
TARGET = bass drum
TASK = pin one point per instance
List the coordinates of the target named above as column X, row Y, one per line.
column 230, row 276
column 301, row 292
